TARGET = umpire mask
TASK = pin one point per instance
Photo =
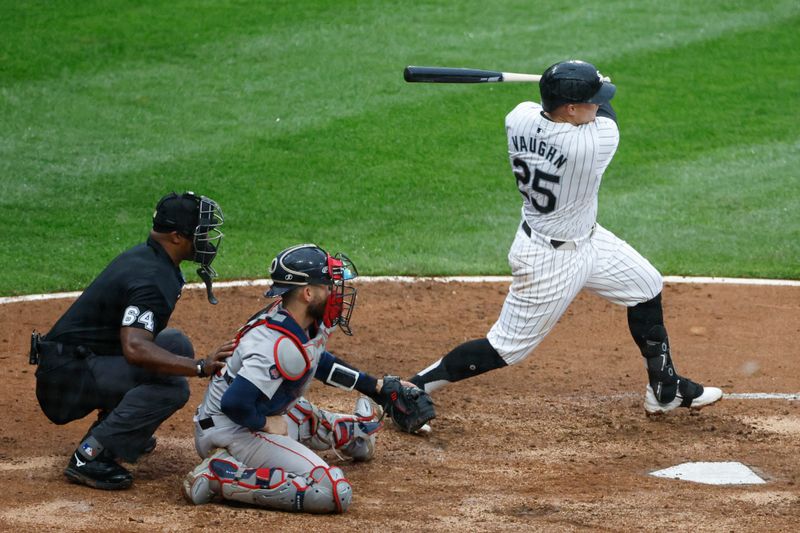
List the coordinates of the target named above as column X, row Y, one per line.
column 198, row 218
column 207, row 234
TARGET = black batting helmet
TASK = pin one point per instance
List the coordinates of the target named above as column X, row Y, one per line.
column 572, row 82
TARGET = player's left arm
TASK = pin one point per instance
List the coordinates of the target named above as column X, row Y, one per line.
column 244, row 403
column 337, row 373
column 408, row 405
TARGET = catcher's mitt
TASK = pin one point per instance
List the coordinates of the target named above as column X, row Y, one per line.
column 409, row 407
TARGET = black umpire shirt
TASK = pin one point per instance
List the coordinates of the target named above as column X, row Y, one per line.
column 137, row 289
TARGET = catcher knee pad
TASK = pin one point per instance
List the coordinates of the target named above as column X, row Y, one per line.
column 660, row 371
column 270, row 488
column 362, row 443
column 222, row 476
column 328, row 491
column 323, row 490
column 353, row 435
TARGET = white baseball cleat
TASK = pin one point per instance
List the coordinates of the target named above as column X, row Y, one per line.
column 653, row 407
column 424, row 430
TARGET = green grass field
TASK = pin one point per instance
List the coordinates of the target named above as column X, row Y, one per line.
column 295, row 117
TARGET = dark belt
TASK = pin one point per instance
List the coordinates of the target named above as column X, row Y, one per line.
column 553, row 242
column 54, row 349
column 206, row 423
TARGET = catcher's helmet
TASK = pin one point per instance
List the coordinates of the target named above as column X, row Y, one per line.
column 573, row 82
column 304, row 264
column 308, row 264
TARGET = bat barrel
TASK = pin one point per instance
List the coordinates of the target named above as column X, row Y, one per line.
column 450, row 75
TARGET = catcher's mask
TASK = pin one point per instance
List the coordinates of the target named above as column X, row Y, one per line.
column 198, row 218
column 308, row 264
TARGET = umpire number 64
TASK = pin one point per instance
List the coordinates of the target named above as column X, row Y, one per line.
column 132, row 314
column 523, row 174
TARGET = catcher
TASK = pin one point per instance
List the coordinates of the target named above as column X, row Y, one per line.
column 258, row 434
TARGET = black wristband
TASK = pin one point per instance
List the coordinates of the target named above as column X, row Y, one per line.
column 366, row 385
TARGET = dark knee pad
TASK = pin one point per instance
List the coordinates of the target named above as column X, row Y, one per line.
column 642, row 318
column 173, row 340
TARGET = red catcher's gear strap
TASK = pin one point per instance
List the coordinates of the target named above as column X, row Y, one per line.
column 291, row 336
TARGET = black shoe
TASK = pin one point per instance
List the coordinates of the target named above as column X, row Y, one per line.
column 101, row 473
column 150, row 445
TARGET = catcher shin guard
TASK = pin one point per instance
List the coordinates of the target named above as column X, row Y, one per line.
column 465, row 361
column 350, row 434
column 323, row 490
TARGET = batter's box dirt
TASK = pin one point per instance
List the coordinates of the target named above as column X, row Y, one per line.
column 556, row 443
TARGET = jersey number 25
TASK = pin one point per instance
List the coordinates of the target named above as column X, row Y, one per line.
column 523, row 174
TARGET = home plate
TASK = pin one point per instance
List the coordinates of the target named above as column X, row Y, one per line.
column 723, row 473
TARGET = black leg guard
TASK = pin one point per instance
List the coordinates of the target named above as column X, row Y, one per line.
column 465, row 361
column 660, row 371
column 665, row 382
column 641, row 319
column 646, row 322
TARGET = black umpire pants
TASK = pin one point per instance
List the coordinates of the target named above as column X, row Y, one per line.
column 132, row 401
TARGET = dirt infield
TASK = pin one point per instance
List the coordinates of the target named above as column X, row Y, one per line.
column 556, row 443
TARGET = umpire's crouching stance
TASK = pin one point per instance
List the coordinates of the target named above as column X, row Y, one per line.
column 110, row 351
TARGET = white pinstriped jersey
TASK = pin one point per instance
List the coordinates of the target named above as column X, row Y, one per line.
column 559, row 167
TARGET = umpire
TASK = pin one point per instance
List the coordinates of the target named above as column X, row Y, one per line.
column 111, row 352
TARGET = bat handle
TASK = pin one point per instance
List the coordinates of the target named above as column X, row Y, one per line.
column 514, row 77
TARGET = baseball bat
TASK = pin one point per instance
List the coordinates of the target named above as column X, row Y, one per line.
column 463, row 75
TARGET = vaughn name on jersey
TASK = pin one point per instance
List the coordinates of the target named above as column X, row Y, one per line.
column 558, row 167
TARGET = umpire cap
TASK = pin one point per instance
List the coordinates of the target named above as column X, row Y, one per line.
column 177, row 212
column 574, row 82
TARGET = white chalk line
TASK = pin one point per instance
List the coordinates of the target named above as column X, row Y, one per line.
column 763, row 396
column 789, row 396
column 414, row 279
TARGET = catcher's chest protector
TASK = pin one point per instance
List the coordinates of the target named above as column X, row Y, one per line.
column 274, row 355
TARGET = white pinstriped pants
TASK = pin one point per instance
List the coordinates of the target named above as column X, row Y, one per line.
column 546, row 280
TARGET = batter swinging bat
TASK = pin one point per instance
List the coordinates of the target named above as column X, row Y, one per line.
column 464, row 75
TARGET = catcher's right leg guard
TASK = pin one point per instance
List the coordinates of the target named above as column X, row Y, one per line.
column 667, row 390
column 323, row 490
column 352, row 435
